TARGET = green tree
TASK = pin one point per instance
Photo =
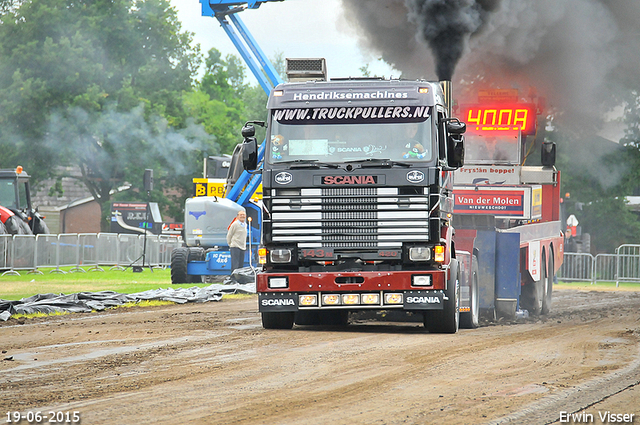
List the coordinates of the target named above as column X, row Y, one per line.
column 216, row 101
column 104, row 64
column 223, row 101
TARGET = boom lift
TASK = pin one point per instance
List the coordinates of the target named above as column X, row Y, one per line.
column 207, row 217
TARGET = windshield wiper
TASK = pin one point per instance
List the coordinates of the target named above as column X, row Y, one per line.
column 378, row 162
column 308, row 163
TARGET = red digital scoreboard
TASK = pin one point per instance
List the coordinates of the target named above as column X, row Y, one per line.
column 502, row 118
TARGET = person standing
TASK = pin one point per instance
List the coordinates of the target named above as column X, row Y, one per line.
column 237, row 240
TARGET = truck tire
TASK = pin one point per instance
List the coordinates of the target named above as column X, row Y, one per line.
column 179, row 260
column 278, row 320
column 539, row 288
column 549, row 275
column 470, row 319
column 447, row 320
column 533, row 292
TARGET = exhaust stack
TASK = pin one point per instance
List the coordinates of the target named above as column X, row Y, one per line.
column 448, row 99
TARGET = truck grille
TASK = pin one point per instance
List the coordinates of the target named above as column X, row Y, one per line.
column 349, row 217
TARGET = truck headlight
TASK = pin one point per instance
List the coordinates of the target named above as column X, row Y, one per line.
column 419, row 253
column 280, row 255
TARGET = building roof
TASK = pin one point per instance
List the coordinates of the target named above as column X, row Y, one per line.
column 74, row 192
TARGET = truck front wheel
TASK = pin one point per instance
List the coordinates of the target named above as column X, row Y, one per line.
column 278, row 320
column 447, row 320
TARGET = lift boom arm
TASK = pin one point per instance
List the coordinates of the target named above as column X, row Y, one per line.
column 225, row 11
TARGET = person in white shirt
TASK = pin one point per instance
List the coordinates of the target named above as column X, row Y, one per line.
column 237, row 240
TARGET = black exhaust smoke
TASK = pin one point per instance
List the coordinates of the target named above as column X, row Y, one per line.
column 446, row 26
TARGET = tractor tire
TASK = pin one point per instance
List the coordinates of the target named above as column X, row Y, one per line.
column 196, row 254
column 471, row 319
column 549, row 274
column 179, row 260
column 278, row 320
column 447, row 320
column 39, row 227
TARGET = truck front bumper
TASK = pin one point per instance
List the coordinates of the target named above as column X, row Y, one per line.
column 351, row 290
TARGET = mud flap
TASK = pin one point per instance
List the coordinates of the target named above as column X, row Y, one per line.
column 423, row 300
column 507, row 273
column 278, row 301
column 486, row 245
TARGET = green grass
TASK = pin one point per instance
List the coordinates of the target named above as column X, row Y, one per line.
column 600, row 286
column 125, row 282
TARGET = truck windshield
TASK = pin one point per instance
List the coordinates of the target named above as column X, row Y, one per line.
column 331, row 138
column 492, row 149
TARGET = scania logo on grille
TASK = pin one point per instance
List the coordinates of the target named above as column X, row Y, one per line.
column 415, row 176
column 349, row 180
column 283, row 178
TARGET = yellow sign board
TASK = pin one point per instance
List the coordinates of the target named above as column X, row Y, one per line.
column 216, row 187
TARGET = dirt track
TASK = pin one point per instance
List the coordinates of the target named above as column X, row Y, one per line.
column 213, row 363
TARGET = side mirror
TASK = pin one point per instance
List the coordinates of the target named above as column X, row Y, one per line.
column 456, row 127
column 249, row 148
column 456, row 151
column 455, row 142
column 248, row 131
column 548, row 154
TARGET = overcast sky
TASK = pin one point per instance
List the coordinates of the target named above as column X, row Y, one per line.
column 297, row 28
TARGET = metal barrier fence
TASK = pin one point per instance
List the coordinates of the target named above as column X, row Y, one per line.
column 83, row 250
column 623, row 266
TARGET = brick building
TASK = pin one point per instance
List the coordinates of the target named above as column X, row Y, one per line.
column 75, row 211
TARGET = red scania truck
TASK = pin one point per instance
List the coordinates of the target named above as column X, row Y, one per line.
column 362, row 189
column 357, row 203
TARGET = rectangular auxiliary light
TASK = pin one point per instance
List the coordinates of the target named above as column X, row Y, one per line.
column 393, row 298
column 421, row 280
column 331, row 299
column 278, row 282
column 350, row 299
column 308, row 300
column 370, row 299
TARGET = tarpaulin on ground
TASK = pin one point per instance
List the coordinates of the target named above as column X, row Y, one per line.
column 84, row 302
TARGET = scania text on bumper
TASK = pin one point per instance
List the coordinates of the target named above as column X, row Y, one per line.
column 406, row 300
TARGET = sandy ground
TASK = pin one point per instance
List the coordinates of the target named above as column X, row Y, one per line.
column 213, row 363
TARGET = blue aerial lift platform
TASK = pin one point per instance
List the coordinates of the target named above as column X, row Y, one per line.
column 206, row 218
